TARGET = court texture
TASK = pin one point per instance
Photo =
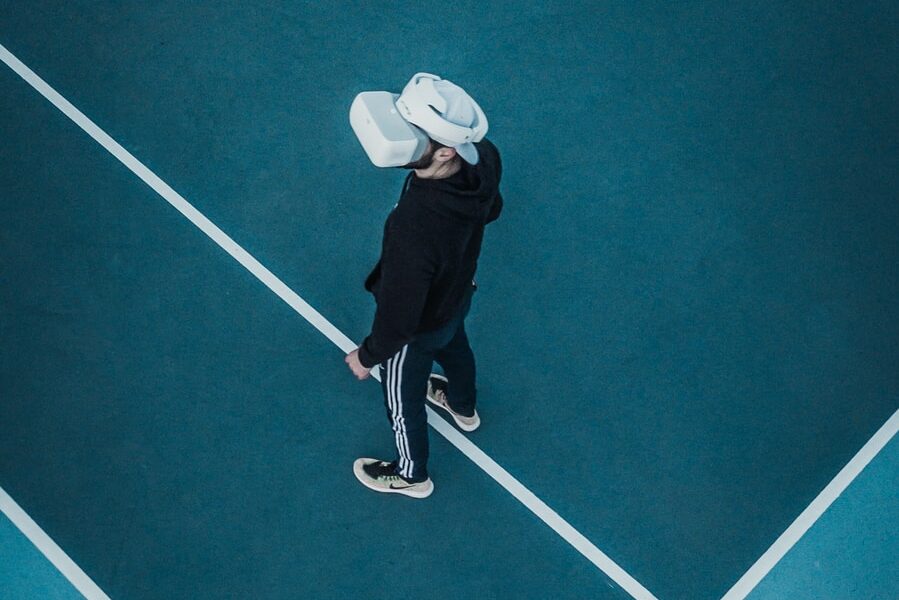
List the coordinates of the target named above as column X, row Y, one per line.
column 687, row 322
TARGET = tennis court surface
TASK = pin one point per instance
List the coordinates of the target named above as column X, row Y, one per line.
column 687, row 324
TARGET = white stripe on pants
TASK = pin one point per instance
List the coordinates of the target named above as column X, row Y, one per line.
column 395, row 403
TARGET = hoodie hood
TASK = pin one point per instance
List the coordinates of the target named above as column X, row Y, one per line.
column 469, row 194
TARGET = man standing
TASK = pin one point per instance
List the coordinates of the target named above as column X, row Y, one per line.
column 424, row 280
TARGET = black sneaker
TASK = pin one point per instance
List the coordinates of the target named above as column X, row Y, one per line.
column 381, row 476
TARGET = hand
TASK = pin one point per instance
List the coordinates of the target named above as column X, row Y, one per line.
column 352, row 359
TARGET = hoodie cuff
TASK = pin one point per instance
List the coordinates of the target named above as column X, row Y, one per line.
column 365, row 357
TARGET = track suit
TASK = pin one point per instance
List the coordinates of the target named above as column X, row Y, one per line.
column 422, row 284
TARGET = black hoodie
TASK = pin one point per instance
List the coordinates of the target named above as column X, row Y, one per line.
column 429, row 256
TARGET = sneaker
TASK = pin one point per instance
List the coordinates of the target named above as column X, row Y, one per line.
column 437, row 396
column 381, row 476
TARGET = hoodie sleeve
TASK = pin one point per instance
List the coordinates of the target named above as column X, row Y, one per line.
column 406, row 275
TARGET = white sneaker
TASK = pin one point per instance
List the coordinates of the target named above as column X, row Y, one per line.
column 381, row 476
column 437, row 396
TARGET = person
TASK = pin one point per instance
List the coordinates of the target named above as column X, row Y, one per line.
column 423, row 285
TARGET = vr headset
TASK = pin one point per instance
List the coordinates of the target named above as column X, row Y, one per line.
column 394, row 128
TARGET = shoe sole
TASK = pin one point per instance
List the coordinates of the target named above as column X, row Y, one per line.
column 364, row 480
column 445, row 406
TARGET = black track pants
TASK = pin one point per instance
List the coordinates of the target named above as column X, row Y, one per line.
column 404, row 380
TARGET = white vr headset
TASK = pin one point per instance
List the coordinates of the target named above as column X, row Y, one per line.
column 394, row 128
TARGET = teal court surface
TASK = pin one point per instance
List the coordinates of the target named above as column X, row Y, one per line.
column 687, row 323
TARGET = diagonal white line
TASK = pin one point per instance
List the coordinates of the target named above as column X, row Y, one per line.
column 48, row 548
column 813, row 512
column 512, row 485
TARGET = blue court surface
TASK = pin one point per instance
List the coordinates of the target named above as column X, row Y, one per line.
column 686, row 326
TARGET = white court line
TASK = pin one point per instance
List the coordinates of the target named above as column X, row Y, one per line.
column 48, row 548
column 807, row 518
column 512, row 485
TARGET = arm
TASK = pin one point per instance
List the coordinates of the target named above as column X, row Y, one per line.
column 406, row 275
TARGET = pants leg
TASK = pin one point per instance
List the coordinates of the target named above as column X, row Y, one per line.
column 404, row 381
column 457, row 361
